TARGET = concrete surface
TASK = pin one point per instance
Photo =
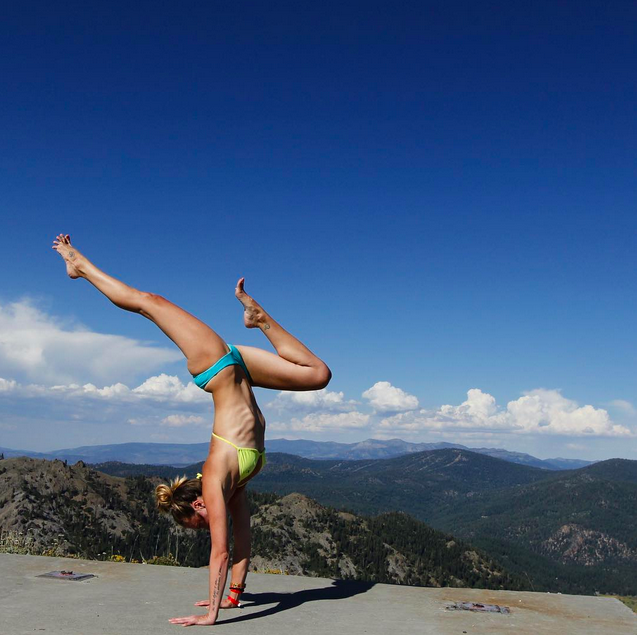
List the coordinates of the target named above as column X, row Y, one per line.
column 138, row 599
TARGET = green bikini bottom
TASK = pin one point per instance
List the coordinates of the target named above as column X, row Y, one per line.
column 248, row 458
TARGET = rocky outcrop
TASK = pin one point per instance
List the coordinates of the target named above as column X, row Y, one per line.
column 574, row 544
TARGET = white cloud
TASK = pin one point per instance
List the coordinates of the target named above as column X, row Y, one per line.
column 116, row 391
column 164, row 389
column 538, row 411
column 311, row 400
column 179, row 421
column 387, row 398
column 319, row 422
column 35, row 346
column 159, row 403
column 170, row 388
column 548, row 411
column 7, row 385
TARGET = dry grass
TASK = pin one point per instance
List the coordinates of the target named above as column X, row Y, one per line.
column 629, row 600
column 22, row 544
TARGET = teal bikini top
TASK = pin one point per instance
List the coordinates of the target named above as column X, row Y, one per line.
column 231, row 358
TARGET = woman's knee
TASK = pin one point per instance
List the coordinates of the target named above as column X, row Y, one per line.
column 321, row 376
column 148, row 302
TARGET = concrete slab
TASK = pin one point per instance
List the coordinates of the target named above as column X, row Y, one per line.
column 138, row 600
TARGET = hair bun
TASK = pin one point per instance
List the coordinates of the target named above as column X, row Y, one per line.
column 164, row 496
column 177, row 497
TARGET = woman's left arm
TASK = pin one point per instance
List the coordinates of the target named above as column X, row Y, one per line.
column 213, row 496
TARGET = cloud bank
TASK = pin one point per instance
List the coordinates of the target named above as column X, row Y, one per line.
column 162, row 401
column 538, row 412
column 322, row 422
column 316, row 400
column 35, row 346
column 50, row 368
column 164, row 389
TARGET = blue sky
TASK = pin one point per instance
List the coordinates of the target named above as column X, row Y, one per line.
column 437, row 197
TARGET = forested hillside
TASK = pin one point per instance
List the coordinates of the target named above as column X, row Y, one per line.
column 579, row 527
column 74, row 510
column 570, row 531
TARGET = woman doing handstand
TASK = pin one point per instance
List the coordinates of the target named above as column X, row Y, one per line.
column 236, row 451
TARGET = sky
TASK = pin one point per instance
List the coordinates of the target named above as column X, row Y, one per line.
column 438, row 198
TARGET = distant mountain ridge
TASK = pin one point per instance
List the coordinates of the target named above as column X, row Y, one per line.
column 140, row 453
column 182, row 454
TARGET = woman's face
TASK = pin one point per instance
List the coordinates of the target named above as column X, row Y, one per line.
column 199, row 520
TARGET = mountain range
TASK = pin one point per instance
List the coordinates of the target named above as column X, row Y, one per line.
column 181, row 454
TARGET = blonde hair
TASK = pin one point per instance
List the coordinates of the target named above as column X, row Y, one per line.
column 177, row 497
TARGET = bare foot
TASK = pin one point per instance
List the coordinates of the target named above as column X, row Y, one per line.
column 253, row 314
column 62, row 244
column 225, row 604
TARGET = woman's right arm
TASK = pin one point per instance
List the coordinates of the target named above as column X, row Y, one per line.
column 218, row 521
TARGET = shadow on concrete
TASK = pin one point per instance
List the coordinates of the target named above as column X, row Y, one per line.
column 339, row 590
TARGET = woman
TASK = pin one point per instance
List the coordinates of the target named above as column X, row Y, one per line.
column 236, row 451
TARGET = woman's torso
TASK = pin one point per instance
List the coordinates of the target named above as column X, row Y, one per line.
column 238, row 418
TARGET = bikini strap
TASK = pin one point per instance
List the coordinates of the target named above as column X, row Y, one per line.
column 226, row 440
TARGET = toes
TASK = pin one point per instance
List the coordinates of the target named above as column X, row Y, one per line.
column 61, row 240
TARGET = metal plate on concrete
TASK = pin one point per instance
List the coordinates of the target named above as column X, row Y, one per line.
column 67, row 575
column 478, row 608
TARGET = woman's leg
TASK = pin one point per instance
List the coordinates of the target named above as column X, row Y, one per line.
column 197, row 341
column 294, row 367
